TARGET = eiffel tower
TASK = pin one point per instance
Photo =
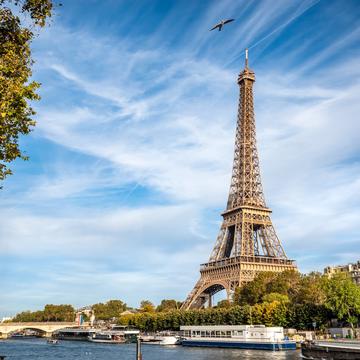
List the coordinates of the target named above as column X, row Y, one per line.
column 247, row 243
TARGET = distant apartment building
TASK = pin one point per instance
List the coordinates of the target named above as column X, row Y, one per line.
column 352, row 269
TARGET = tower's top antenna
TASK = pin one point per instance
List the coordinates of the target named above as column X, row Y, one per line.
column 246, row 58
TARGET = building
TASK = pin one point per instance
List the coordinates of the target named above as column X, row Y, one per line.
column 353, row 269
column 344, row 332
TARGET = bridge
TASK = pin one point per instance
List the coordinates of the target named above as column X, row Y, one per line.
column 44, row 328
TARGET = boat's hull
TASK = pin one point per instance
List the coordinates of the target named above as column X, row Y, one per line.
column 160, row 340
column 283, row 345
column 331, row 350
column 104, row 341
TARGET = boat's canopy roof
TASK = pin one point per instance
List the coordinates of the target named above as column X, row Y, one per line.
column 231, row 328
column 75, row 330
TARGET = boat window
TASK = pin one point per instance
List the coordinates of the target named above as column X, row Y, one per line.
column 203, row 334
column 228, row 333
column 237, row 333
column 218, row 333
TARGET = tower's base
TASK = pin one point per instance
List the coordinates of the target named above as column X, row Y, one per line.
column 229, row 274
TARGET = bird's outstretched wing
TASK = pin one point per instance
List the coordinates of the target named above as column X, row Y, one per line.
column 215, row 27
column 229, row 20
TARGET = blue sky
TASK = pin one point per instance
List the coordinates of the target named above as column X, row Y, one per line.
column 131, row 158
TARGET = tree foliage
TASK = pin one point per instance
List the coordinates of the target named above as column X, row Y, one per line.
column 111, row 309
column 265, row 283
column 310, row 290
column 223, row 304
column 50, row 313
column 275, row 297
column 342, row 297
column 16, row 89
column 168, row 305
column 147, row 306
column 270, row 314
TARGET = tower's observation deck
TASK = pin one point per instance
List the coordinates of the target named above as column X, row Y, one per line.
column 247, row 242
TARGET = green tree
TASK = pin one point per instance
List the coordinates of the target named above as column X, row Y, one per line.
column 50, row 313
column 252, row 292
column 59, row 313
column 16, row 89
column 111, row 309
column 168, row 305
column 286, row 283
column 223, row 304
column 311, row 290
column 147, row 306
column 276, row 297
column 342, row 297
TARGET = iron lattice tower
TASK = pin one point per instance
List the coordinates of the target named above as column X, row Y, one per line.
column 247, row 242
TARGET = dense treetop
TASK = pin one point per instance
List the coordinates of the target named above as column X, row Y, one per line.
column 50, row 313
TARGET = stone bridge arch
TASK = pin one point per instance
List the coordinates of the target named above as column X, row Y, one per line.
column 20, row 328
column 46, row 328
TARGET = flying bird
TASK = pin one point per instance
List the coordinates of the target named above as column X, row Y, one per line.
column 221, row 24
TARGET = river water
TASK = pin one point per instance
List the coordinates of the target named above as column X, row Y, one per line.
column 70, row 350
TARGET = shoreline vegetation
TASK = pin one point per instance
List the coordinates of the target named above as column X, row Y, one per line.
column 286, row 299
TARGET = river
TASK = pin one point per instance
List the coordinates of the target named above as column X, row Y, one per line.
column 72, row 350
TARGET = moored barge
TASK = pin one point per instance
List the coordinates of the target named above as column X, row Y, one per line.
column 331, row 350
column 257, row 337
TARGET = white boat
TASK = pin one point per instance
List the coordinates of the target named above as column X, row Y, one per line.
column 160, row 339
column 108, row 337
column 237, row 336
column 53, row 341
column 169, row 340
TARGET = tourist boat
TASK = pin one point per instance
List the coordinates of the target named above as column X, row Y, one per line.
column 256, row 337
column 130, row 333
column 108, row 337
column 75, row 334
